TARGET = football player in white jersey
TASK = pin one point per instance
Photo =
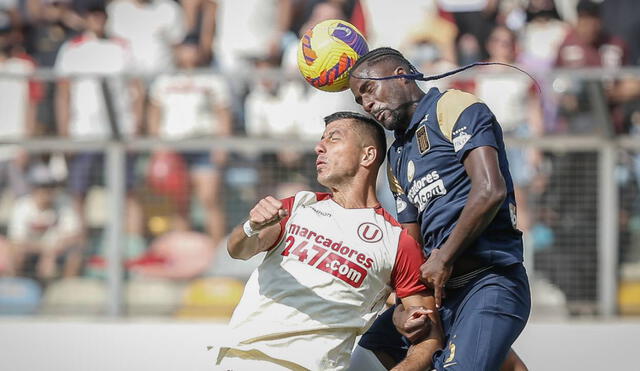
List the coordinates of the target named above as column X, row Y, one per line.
column 331, row 261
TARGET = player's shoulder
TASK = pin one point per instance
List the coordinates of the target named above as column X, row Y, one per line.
column 384, row 217
column 306, row 198
column 450, row 106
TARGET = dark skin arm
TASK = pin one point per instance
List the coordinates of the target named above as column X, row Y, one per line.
column 488, row 191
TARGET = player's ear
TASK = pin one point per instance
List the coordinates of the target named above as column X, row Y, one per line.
column 400, row 71
column 369, row 155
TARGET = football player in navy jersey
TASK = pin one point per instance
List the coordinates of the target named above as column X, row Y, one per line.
column 450, row 178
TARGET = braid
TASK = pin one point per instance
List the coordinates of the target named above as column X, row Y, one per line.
column 382, row 54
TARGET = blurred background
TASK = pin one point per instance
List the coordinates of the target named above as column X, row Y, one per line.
column 135, row 134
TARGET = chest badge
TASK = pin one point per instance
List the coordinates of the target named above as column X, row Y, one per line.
column 423, row 139
column 411, row 170
column 369, row 232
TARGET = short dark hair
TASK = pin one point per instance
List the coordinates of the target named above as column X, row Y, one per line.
column 378, row 55
column 365, row 125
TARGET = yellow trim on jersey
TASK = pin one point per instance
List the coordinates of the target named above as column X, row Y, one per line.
column 394, row 184
column 449, row 108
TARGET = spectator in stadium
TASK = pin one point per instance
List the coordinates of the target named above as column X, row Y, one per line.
column 151, row 28
column 475, row 20
column 588, row 45
column 93, row 108
column 190, row 105
column 248, row 30
column 540, row 40
column 45, row 231
column 52, row 23
column 18, row 106
column 200, row 20
column 292, row 305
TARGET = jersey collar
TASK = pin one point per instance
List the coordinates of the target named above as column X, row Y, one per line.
column 423, row 107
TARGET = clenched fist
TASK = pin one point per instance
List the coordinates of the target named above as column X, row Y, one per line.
column 267, row 211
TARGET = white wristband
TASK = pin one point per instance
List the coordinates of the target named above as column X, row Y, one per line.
column 248, row 230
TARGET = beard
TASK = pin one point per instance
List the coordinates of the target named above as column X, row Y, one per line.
column 397, row 116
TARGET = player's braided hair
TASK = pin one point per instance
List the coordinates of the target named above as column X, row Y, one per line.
column 364, row 124
column 381, row 54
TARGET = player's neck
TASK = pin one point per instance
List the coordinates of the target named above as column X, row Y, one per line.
column 356, row 195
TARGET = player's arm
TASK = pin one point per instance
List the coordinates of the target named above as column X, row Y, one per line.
column 260, row 232
column 420, row 323
column 488, row 192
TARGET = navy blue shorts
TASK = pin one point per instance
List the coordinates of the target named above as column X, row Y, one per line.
column 198, row 160
column 480, row 321
column 87, row 169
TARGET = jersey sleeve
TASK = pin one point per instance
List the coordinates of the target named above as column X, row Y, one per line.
column 405, row 277
column 466, row 122
column 287, row 204
column 406, row 212
column 476, row 128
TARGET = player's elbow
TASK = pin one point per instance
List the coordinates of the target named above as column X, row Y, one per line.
column 498, row 194
column 492, row 194
column 236, row 252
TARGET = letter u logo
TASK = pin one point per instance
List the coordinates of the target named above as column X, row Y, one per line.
column 369, row 232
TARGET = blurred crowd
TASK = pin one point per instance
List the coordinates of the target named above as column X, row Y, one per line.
column 180, row 69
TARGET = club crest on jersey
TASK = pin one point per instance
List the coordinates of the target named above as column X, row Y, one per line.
column 400, row 205
column 369, row 232
column 411, row 170
column 422, row 139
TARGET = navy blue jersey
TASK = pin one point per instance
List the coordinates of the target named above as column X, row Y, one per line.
column 429, row 181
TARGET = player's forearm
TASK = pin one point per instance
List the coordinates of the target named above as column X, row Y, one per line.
column 482, row 205
column 241, row 246
column 419, row 357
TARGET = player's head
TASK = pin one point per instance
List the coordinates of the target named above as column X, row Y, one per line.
column 352, row 145
column 390, row 102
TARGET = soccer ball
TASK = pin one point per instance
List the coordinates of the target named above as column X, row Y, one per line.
column 327, row 52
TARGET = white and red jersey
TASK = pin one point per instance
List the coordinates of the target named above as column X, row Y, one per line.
column 322, row 284
column 82, row 59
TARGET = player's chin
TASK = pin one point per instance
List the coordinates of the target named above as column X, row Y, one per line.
column 323, row 179
column 387, row 121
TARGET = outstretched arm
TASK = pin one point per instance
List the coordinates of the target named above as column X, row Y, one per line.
column 262, row 232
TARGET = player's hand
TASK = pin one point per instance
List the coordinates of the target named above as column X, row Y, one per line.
column 413, row 322
column 435, row 274
column 267, row 211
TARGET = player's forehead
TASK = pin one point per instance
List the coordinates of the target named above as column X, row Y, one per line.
column 379, row 69
column 343, row 127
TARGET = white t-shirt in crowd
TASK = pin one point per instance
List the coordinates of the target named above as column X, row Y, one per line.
column 14, row 97
column 30, row 224
column 244, row 29
column 88, row 55
column 151, row 29
column 321, row 285
column 187, row 103
column 506, row 95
